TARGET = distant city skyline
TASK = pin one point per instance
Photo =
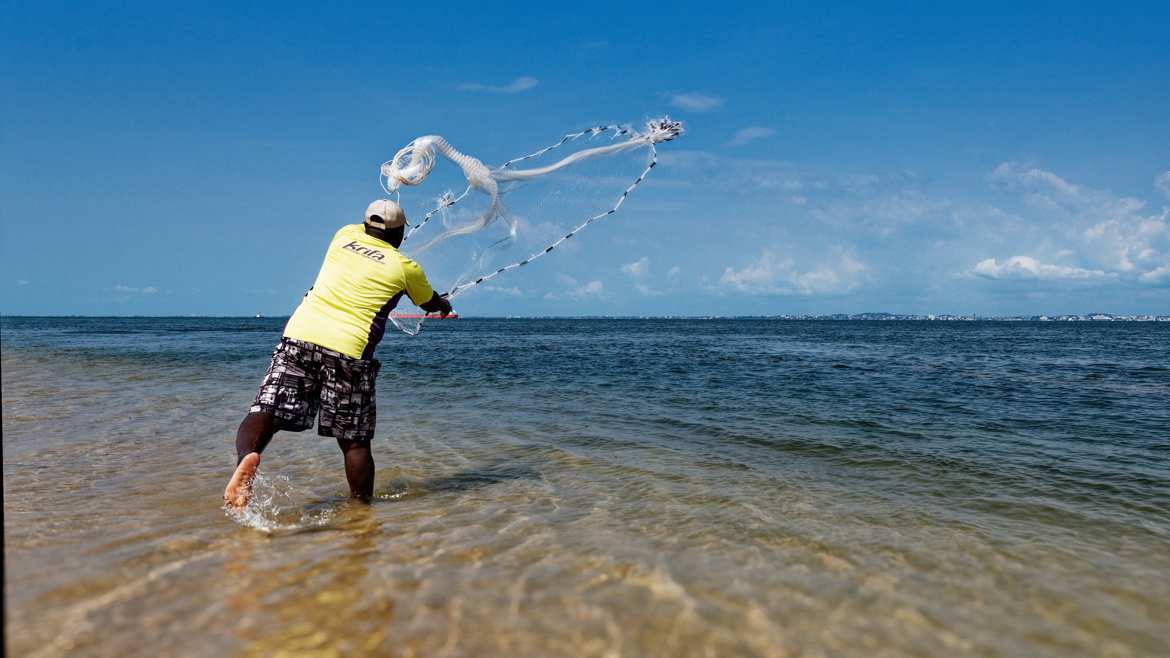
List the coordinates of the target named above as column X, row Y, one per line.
column 173, row 160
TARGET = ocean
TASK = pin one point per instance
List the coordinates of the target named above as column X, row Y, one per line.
column 599, row 488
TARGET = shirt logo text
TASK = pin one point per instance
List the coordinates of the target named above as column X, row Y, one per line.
column 368, row 252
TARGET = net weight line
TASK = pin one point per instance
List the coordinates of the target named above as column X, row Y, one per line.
column 445, row 201
column 659, row 130
column 459, row 288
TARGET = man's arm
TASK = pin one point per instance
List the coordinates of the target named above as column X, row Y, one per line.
column 420, row 290
column 437, row 304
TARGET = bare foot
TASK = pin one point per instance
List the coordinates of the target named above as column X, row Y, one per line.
column 239, row 489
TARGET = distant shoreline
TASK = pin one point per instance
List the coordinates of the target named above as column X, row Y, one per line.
column 836, row 317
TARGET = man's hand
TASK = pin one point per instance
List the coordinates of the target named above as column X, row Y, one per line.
column 438, row 304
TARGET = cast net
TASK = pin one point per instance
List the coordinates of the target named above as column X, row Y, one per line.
column 479, row 222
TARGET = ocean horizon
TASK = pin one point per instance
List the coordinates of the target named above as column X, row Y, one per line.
column 853, row 317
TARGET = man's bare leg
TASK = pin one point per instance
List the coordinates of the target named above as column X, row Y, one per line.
column 359, row 468
column 254, row 434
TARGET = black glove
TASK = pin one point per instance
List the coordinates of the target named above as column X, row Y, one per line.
column 438, row 304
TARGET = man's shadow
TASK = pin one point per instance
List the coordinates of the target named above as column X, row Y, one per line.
column 468, row 479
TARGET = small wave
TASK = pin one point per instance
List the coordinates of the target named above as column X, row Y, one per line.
column 274, row 507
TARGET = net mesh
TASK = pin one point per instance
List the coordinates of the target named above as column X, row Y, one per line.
column 489, row 221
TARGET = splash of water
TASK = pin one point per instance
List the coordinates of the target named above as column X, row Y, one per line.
column 274, row 507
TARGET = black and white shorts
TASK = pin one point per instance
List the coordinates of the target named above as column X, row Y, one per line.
column 304, row 377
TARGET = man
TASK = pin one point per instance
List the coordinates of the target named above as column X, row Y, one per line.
column 326, row 357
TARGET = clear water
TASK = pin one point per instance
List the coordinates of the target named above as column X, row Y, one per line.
column 600, row 488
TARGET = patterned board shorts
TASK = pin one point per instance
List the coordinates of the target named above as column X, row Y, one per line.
column 304, row 376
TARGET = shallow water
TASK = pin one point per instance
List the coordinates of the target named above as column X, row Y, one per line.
column 600, row 488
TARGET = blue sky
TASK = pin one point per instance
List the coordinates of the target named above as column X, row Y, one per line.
column 839, row 158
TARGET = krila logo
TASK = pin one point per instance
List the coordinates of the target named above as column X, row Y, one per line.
column 372, row 254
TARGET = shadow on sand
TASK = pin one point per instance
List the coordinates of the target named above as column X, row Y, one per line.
column 467, row 479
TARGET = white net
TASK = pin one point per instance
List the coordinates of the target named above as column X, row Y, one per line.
column 534, row 202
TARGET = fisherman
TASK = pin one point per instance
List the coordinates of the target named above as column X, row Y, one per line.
column 325, row 360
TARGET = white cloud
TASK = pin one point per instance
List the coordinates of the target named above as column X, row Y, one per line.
column 1158, row 275
column 1041, row 188
column 23, row 282
column 148, row 290
column 575, row 291
column 638, row 268
column 673, row 273
column 511, row 292
column 800, row 183
column 1128, row 242
column 517, row 85
column 1091, row 230
column 591, row 289
column 773, row 274
column 1026, row 267
column 750, row 134
column 882, row 215
column 1163, row 183
column 695, row 101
